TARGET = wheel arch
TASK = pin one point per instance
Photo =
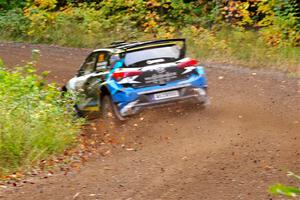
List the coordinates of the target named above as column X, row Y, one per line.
column 104, row 91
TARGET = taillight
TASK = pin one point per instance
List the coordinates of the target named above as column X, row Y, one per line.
column 122, row 74
column 188, row 63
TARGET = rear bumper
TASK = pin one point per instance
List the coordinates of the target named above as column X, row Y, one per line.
column 146, row 99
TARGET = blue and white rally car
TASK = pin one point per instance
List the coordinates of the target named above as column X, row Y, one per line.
column 124, row 78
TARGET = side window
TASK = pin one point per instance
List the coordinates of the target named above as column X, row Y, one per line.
column 89, row 65
column 114, row 58
column 102, row 63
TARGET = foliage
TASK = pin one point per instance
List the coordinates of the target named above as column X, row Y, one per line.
column 76, row 26
column 277, row 20
column 239, row 46
column 280, row 189
column 7, row 5
column 263, row 33
column 281, row 25
column 35, row 121
column 13, row 25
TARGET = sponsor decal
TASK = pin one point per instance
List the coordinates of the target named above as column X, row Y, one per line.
column 188, row 69
column 129, row 80
column 150, row 62
column 155, row 67
column 161, row 78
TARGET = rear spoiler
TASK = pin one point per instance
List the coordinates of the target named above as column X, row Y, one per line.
column 154, row 43
column 140, row 44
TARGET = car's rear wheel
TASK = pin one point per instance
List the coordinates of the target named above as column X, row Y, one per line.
column 109, row 110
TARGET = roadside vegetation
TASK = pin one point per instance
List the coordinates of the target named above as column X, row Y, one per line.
column 35, row 121
column 251, row 33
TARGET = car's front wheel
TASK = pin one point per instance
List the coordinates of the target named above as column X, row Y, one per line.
column 109, row 110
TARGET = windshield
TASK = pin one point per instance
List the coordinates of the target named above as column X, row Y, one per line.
column 161, row 54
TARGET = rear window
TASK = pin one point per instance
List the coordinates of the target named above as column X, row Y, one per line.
column 162, row 54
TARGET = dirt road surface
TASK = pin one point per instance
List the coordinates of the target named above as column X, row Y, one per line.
column 246, row 140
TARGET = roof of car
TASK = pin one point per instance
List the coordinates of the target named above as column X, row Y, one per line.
column 121, row 46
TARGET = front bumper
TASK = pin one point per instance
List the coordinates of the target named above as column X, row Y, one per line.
column 146, row 98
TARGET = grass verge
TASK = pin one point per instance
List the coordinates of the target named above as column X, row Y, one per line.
column 35, row 121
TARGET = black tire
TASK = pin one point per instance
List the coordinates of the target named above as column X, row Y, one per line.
column 109, row 110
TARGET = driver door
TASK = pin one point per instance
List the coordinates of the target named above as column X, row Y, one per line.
column 91, row 74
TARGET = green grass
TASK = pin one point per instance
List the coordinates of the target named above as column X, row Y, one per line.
column 34, row 122
column 243, row 48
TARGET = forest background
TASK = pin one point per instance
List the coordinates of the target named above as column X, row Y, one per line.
column 255, row 33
